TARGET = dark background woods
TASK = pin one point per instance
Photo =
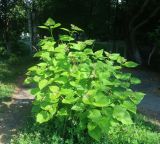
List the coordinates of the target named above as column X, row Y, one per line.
column 132, row 24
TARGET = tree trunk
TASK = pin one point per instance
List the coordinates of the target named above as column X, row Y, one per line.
column 6, row 35
column 133, row 51
column 150, row 55
column 30, row 29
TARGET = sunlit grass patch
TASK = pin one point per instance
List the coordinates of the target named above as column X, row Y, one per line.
column 6, row 90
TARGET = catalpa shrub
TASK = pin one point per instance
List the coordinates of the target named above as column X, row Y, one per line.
column 79, row 88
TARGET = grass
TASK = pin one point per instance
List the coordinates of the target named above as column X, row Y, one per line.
column 6, row 84
column 142, row 132
column 10, row 69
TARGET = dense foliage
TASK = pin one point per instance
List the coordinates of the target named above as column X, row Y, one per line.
column 80, row 89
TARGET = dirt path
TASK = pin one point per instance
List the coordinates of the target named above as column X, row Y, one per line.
column 14, row 112
column 150, row 85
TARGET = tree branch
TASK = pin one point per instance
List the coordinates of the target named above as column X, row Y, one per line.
column 138, row 14
column 147, row 19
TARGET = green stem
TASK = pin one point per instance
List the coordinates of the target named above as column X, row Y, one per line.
column 51, row 32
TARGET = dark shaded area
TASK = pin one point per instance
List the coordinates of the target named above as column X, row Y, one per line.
column 134, row 23
column 13, row 115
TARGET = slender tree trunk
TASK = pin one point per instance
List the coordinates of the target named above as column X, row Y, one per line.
column 6, row 27
column 6, row 35
column 30, row 29
column 135, row 53
column 115, row 28
column 150, row 55
column 133, row 28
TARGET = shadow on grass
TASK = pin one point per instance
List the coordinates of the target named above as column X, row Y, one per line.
column 9, row 73
column 9, row 70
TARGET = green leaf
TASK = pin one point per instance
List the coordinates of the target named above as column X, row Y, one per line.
column 94, row 131
column 122, row 115
column 66, row 38
column 121, row 60
column 61, row 80
column 42, row 84
column 54, row 98
column 87, row 100
column 130, row 64
column 78, row 46
column 75, row 28
column 67, row 92
column 43, row 65
column 46, row 56
column 89, row 42
column 34, row 91
column 49, row 22
column 107, row 82
column 62, row 112
column 114, row 56
column 129, row 105
column 88, row 51
column 123, row 76
column 43, row 27
column 54, row 89
column 101, row 100
column 61, row 48
column 38, row 54
column 28, row 80
column 36, row 78
column 94, row 115
column 34, row 68
column 60, row 56
column 70, row 100
column 78, row 107
column 49, row 46
column 42, row 117
column 137, row 97
column 64, row 29
column 99, row 54
column 135, row 80
column 55, row 26
column 104, row 124
column 49, row 108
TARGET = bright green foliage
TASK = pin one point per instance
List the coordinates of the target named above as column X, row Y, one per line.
column 80, row 88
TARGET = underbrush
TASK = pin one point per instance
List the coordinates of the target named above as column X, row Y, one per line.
column 142, row 132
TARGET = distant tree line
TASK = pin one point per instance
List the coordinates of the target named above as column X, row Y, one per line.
column 104, row 20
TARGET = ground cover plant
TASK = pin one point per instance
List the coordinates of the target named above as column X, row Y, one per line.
column 141, row 132
column 80, row 91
